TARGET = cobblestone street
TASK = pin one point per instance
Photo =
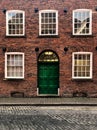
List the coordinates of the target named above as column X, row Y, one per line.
column 48, row 118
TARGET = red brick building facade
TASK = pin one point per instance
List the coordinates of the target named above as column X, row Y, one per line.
column 56, row 58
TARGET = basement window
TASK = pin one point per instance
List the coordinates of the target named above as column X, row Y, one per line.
column 14, row 65
column 82, row 22
column 48, row 22
column 15, row 23
column 82, row 65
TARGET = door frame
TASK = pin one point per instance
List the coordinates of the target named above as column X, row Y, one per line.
column 48, row 94
column 38, row 75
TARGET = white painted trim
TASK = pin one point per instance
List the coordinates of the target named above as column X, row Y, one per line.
column 16, row 11
column 81, row 10
column 58, row 91
column 48, row 11
column 48, row 95
column 91, row 65
column 39, row 22
column 5, row 65
column 37, row 91
column 13, row 53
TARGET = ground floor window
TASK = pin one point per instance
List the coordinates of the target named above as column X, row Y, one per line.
column 82, row 65
column 14, row 65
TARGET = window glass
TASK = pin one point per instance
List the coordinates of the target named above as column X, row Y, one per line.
column 48, row 22
column 15, row 23
column 82, row 22
column 82, row 67
column 14, row 65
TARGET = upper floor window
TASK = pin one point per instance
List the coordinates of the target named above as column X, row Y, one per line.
column 82, row 22
column 14, row 65
column 15, row 23
column 82, row 65
column 48, row 22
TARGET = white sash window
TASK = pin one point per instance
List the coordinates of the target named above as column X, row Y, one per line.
column 82, row 22
column 14, row 65
column 82, row 65
column 48, row 22
column 15, row 23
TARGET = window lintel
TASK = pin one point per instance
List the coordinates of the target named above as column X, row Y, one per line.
column 81, row 10
column 48, row 11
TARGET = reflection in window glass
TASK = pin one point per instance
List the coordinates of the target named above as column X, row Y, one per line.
column 15, row 22
column 82, row 22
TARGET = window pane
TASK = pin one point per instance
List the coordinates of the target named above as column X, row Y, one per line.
column 75, row 74
column 54, row 14
column 50, row 20
column 42, row 20
column 87, row 74
column 46, row 20
column 88, row 69
column 17, row 20
column 46, row 14
column 50, row 15
column 83, row 68
column 83, row 74
column 21, row 15
column 21, row 20
column 42, row 31
column 54, row 20
column 42, row 15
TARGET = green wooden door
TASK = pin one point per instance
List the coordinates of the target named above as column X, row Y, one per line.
column 48, row 77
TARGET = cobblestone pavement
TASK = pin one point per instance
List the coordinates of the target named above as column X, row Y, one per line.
column 48, row 118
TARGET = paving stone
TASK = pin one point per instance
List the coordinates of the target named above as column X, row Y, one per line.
column 47, row 118
column 48, row 101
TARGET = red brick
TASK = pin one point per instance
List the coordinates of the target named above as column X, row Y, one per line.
column 28, row 44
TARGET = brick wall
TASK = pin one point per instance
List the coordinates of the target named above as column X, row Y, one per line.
column 32, row 40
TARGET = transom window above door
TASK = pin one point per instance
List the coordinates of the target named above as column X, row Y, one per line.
column 48, row 22
column 82, row 65
column 15, row 23
column 82, row 22
column 48, row 56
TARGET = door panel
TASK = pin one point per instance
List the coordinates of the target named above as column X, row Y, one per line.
column 48, row 77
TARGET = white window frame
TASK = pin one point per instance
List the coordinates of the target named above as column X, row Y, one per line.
column 48, row 11
column 82, row 10
column 91, row 65
column 14, row 53
column 7, row 28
